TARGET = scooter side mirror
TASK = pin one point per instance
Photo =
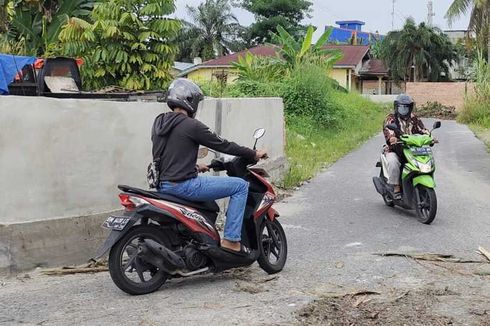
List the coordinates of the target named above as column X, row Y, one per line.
column 259, row 133
column 437, row 125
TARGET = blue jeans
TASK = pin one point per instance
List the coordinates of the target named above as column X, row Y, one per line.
column 207, row 188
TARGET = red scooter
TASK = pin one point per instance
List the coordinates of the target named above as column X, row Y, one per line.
column 159, row 236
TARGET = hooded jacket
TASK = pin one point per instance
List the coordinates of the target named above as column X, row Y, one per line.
column 179, row 137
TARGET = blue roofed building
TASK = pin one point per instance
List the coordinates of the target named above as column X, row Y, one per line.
column 350, row 32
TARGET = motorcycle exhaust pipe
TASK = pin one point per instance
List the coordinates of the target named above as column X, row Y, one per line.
column 171, row 259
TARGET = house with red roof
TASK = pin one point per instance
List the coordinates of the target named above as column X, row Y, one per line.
column 356, row 70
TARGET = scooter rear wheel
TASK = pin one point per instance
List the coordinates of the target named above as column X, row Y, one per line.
column 426, row 212
column 130, row 272
column 273, row 246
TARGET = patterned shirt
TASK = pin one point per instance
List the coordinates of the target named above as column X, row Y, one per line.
column 410, row 127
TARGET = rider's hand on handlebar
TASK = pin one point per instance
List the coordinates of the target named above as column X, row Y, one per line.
column 393, row 140
column 260, row 154
column 201, row 168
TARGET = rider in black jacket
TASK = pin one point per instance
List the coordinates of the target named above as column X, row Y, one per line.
column 179, row 135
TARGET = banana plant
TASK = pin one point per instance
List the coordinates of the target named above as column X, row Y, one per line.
column 296, row 52
column 40, row 22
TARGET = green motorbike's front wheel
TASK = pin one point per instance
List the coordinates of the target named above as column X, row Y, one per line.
column 426, row 205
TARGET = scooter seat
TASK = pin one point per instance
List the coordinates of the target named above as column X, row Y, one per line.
column 209, row 206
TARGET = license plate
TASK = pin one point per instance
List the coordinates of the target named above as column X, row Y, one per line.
column 116, row 222
column 420, row 151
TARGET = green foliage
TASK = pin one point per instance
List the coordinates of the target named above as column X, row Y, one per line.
column 212, row 31
column 426, row 49
column 479, row 20
column 299, row 74
column 39, row 23
column 482, row 81
column 260, row 69
column 376, row 49
column 308, row 93
column 127, row 44
column 310, row 147
column 6, row 13
column 272, row 13
column 296, row 52
column 477, row 108
column 10, row 46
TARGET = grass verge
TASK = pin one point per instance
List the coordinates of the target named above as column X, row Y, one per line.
column 476, row 114
column 483, row 133
column 310, row 147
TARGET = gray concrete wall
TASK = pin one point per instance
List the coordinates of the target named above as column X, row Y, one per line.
column 382, row 99
column 61, row 160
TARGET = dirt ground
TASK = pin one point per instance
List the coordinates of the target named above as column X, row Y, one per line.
column 407, row 308
column 460, row 303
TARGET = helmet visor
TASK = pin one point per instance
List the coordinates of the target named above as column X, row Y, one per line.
column 403, row 109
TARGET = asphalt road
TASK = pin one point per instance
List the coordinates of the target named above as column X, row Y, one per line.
column 334, row 225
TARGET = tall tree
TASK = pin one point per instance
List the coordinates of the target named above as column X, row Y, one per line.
column 39, row 23
column 129, row 43
column 272, row 13
column 211, row 31
column 479, row 19
column 418, row 53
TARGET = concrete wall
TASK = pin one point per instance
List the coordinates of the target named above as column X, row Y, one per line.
column 340, row 75
column 383, row 99
column 450, row 94
column 61, row 159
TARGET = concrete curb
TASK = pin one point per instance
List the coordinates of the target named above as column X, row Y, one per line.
column 49, row 243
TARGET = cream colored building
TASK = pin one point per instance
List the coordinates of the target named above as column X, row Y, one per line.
column 348, row 71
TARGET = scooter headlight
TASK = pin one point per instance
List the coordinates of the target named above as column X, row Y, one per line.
column 425, row 167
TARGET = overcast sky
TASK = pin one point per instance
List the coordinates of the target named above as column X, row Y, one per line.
column 376, row 13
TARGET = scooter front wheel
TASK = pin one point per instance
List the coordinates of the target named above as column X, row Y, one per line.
column 426, row 205
column 273, row 246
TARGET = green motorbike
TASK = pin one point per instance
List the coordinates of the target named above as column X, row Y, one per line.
column 417, row 177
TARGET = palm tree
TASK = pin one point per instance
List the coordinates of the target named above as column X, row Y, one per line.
column 479, row 19
column 210, row 32
column 418, row 52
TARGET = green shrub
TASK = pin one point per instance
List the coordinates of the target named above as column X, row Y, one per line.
column 252, row 88
column 311, row 147
column 308, row 93
column 477, row 108
column 476, row 112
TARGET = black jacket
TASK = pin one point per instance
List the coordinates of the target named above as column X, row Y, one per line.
column 180, row 136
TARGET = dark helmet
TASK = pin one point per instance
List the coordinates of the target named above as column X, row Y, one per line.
column 184, row 94
column 404, row 106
